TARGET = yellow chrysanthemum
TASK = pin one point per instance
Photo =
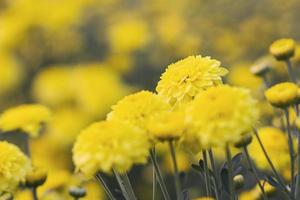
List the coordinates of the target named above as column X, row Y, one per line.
column 283, row 48
column 268, row 136
column 27, row 118
column 13, row 166
column 183, row 80
column 138, row 108
column 166, row 125
column 220, row 115
column 282, row 94
column 110, row 144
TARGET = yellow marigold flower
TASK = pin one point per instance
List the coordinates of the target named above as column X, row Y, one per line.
column 167, row 125
column 282, row 94
column 283, row 49
column 27, row 118
column 13, row 166
column 268, row 135
column 138, row 108
column 110, row 144
column 183, row 80
column 220, row 115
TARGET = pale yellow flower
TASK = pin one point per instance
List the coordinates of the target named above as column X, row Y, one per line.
column 283, row 48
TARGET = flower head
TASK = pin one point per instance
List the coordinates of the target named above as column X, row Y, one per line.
column 283, row 48
column 183, row 80
column 282, row 94
column 220, row 115
column 110, row 144
column 27, row 118
column 138, row 108
column 13, row 166
column 268, row 135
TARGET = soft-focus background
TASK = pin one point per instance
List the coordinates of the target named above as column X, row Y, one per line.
column 80, row 56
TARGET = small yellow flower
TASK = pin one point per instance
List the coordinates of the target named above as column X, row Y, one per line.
column 167, row 125
column 110, row 144
column 183, row 80
column 220, row 115
column 282, row 94
column 261, row 66
column 268, row 135
column 14, row 166
column 36, row 177
column 283, row 49
column 28, row 118
column 138, row 108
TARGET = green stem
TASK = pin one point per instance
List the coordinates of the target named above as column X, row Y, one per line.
column 230, row 173
column 291, row 151
column 206, row 173
column 159, row 176
column 34, row 193
column 217, row 181
column 176, row 171
column 266, row 81
column 291, row 71
column 101, row 181
column 298, row 158
column 154, row 185
column 122, row 185
column 253, row 169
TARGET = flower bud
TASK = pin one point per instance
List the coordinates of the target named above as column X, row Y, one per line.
column 239, row 181
column 244, row 141
column 283, row 49
column 36, row 177
column 77, row 192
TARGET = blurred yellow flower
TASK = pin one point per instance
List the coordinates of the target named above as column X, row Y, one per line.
column 283, row 48
column 282, row 94
column 268, row 135
column 220, row 115
column 110, row 144
column 13, row 166
column 127, row 35
column 28, row 118
column 138, row 108
column 183, row 80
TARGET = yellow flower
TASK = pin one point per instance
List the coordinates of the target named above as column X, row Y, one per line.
column 283, row 49
column 128, row 35
column 274, row 140
column 13, row 166
column 138, row 108
column 109, row 144
column 27, row 118
column 166, row 125
column 220, row 115
column 282, row 94
column 183, row 80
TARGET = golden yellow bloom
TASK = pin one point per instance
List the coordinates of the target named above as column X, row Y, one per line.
column 166, row 125
column 268, row 136
column 220, row 115
column 138, row 108
column 183, row 80
column 282, row 94
column 27, row 118
column 109, row 144
column 283, row 49
column 13, row 166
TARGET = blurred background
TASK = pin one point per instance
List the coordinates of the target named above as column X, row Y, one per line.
column 79, row 57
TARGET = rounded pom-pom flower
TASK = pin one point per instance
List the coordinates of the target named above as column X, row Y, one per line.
column 283, row 49
column 28, row 118
column 220, row 115
column 110, row 144
column 183, row 80
column 274, row 140
column 14, row 166
column 282, row 94
column 138, row 108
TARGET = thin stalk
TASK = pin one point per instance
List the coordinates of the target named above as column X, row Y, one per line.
column 291, row 71
column 159, row 176
column 101, row 181
column 154, row 185
column 122, row 185
column 176, row 171
column 206, row 173
column 291, row 150
column 217, row 181
column 128, row 186
column 297, row 195
column 253, row 169
column 278, row 178
column 230, row 173
column 266, row 81
column 34, row 193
